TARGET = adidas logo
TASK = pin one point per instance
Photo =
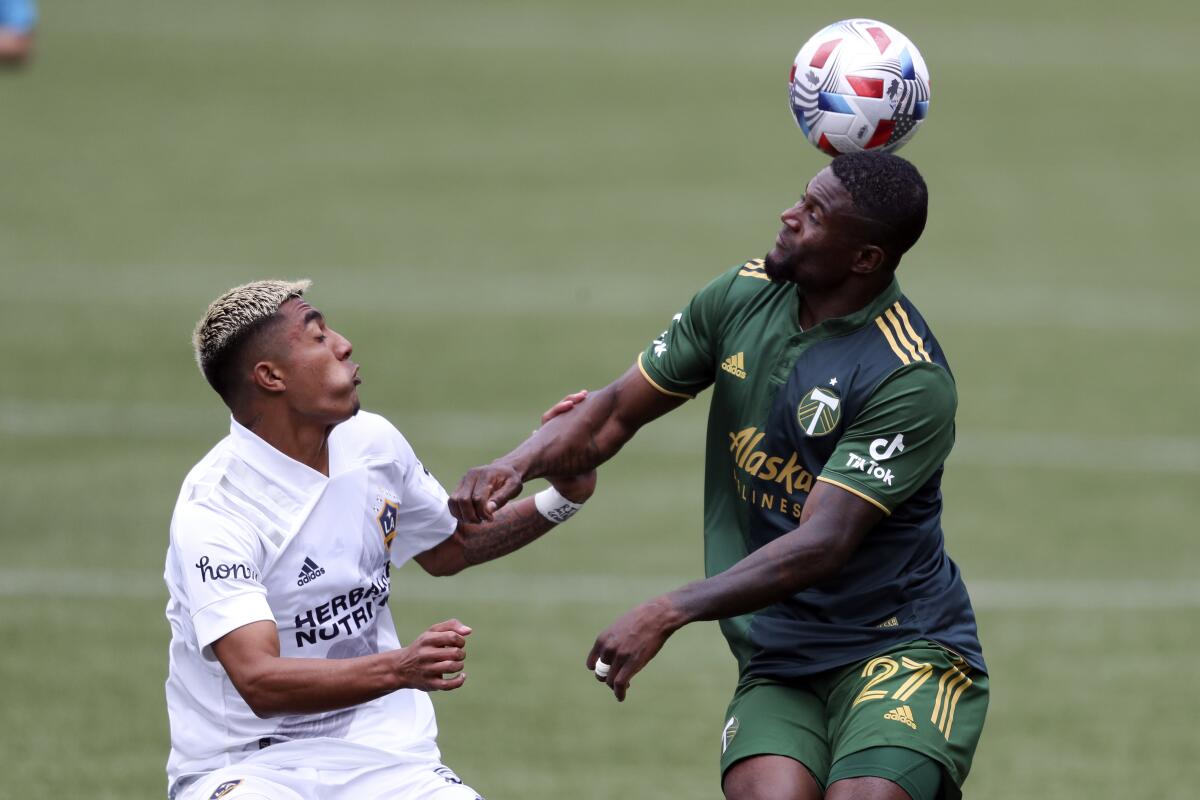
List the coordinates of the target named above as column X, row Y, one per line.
column 902, row 714
column 309, row 571
column 735, row 365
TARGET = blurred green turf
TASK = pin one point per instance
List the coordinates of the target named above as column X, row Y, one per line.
column 502, row 202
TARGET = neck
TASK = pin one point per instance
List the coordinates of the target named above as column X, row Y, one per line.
column 301, row 441
column 819, row 305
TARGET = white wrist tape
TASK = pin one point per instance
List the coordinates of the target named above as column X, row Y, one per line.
column 554, row 507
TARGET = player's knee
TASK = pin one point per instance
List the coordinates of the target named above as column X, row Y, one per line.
column 770, row 778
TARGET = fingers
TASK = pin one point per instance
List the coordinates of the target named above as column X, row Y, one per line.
column 482, row 491
column 451, row 625
column 612, row 668
column 447, row 684
column 564, row 405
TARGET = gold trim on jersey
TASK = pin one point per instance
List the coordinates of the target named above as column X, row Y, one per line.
column 654, row 383
column 754, row 269
column 901, row 336
column 857, row 493
column 908, row 327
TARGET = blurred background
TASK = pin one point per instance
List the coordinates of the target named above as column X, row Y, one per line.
column 503, row 202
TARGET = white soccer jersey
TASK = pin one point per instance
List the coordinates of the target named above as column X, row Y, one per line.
column 258, row 536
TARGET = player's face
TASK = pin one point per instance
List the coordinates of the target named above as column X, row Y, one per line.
column 322, row 382
column 818, row 243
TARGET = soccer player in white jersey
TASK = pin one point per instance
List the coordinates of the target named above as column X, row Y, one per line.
column 286, row 678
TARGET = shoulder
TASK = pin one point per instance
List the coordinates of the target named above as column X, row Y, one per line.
column 904, row 338
column 372, row 435
column 919, row 384
column 199, row 519
column 739, row 286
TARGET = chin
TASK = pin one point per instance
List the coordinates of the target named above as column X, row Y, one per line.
column 773, row 266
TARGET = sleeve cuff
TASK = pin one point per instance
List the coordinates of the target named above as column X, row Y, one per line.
column 656, row 384
column 228, row 614
column 842, row 483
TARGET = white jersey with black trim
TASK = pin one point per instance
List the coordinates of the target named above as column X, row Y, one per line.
column 258, row 536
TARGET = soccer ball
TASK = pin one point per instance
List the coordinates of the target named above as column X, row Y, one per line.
column 859, row 85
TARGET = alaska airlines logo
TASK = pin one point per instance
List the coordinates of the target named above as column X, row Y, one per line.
column 820, row 411
column 764, row 466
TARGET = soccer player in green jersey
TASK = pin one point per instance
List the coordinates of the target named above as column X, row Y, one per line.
column 860, row 670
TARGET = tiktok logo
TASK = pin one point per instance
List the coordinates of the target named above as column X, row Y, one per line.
column 895, row 446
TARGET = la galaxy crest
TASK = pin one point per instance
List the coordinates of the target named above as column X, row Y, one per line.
column 387, row 507
column 224, row 789
column 819, row 411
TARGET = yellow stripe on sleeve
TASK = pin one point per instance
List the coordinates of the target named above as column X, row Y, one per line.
column 745, row 273
column 856, row 493
column 900, row 337
column 654, row 383
column 911, row 332
column 887, row 334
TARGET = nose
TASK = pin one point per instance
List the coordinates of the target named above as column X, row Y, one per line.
column 343, row 348
column 790, row 216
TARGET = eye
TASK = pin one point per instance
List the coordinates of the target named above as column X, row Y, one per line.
column 320, row 337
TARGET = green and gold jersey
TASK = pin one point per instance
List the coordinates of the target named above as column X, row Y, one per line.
column 865, row 402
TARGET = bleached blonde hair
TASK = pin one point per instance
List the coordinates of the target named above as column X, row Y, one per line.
column 232, row 317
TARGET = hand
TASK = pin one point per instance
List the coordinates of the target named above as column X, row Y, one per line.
column 483, row 490
column 629, row 643
column 435, row 653
column 564, row 405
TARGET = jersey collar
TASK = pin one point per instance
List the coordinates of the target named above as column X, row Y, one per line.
column 264, row 458
column 838, row 326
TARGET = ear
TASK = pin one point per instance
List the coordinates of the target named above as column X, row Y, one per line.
column 269, row 377
column 869, row 260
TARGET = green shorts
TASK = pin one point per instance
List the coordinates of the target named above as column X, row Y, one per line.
column 919, row 696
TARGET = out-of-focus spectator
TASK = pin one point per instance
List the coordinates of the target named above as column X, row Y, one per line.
column 17, row 18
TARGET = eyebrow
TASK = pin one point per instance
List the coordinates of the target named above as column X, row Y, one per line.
column 813, row 201
column 313, row 314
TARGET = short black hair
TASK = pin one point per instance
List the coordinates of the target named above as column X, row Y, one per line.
column 888, row 190
column 226, row 370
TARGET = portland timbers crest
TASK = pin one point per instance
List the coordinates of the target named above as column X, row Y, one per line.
column 820, row 411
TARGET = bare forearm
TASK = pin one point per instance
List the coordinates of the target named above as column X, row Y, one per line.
column 514, row 527
column 572, row 443
column 278, row 686
column 770, row 574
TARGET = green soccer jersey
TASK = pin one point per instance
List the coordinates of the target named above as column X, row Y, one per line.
column 865, row 402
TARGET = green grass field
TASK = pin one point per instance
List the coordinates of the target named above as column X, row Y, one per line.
column 503, row 202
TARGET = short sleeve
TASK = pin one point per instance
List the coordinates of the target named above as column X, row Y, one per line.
column 900, row 438
column 220, row 568
column 682, row 361
column 423, row 519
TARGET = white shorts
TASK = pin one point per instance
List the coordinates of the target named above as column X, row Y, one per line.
column 431, row 781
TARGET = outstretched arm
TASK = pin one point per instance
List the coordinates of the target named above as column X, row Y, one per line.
column 570, row 444
column 831, row 528
column 510, row 529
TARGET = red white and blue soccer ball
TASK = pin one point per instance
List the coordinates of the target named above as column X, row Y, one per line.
column 859, row 85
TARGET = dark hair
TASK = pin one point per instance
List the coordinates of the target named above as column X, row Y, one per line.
column 224, row 369
column 890, row 192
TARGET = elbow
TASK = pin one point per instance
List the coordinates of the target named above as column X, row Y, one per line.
column 255, row 693
column 260, row 702
column 444, row 568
